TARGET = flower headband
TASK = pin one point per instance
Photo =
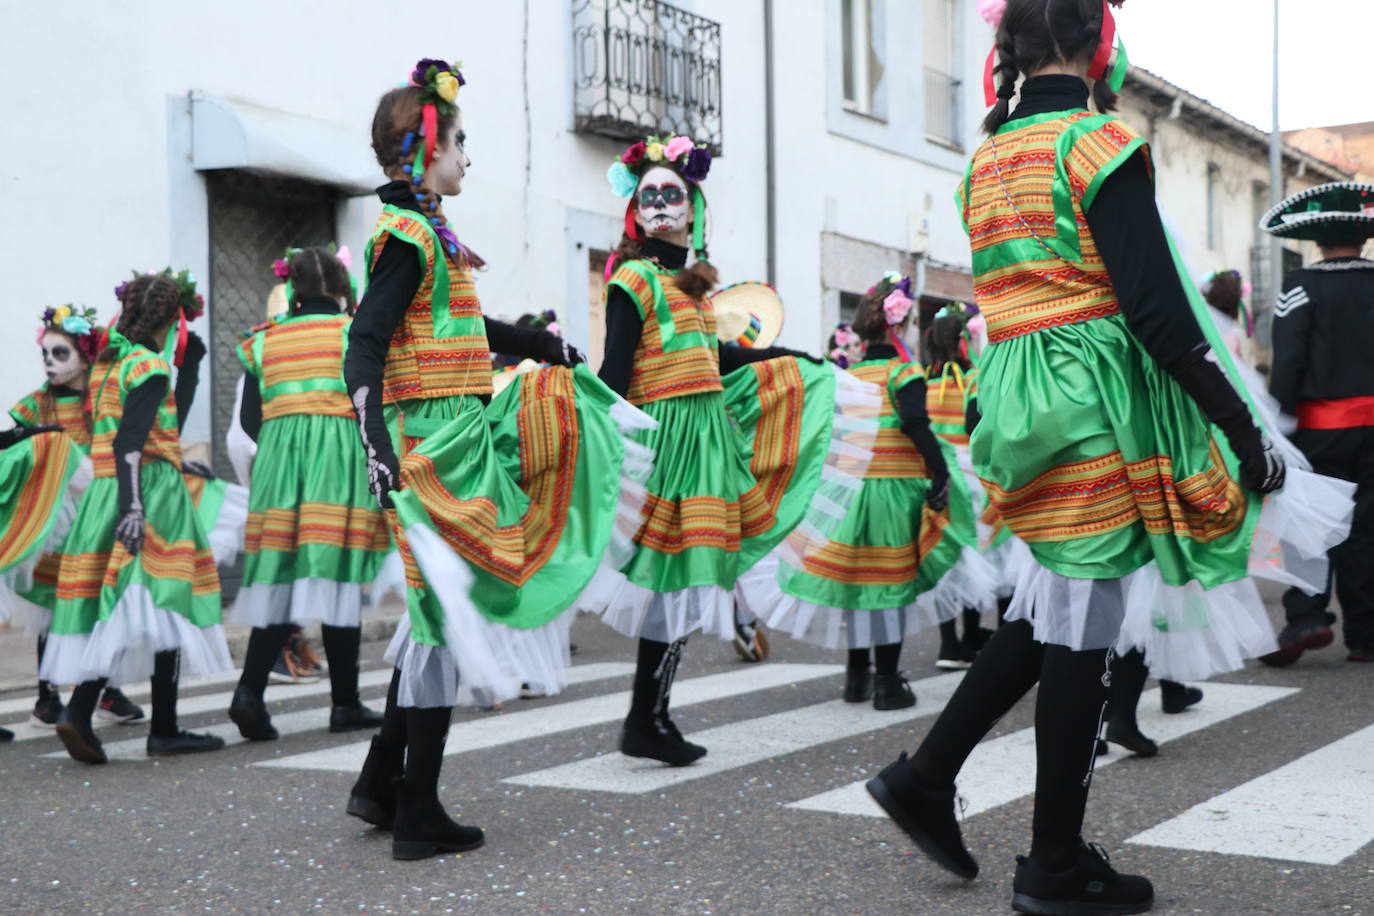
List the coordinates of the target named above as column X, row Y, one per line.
column 79, row 323
column 192, row 303
column 690, row 161
column 896, row 292
column 281, row 267
column 1109, row 62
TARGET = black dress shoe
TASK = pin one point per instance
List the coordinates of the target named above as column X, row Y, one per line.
column 423, row 828
column 659, row 740
column 1088, row 886
column 1132, row 740
column 373, row 797
column 891, row 691
column 6, row 735
column 1102, row 747
column 353, row 718
column 249, row 713
column 183, row 742
column 79, row 738
column 858, row 684
column 926, row 813
column 1175, row 697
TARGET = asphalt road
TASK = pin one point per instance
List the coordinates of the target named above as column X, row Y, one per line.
column 221, row 833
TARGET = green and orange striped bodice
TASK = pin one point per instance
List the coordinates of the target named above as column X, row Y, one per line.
column 677, row 353
column 299, row 365
column 894, row 455
column 113, row 383
column 66, row 410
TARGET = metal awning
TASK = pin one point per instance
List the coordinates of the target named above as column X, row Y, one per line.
column 232, row 134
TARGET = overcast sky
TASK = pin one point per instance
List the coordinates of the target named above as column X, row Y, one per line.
column 1221, row 50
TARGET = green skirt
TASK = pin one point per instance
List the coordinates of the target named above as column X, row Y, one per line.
column 315, row 534
column 115, row 610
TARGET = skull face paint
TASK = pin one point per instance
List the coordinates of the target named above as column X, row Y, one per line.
column 662, row 204
column 61, row 360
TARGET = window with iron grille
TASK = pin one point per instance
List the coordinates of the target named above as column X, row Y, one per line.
column 942, row 88
column 645, row 67
column 253, row 219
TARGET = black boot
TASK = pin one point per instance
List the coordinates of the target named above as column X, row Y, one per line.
column 353, row 718
column 6, row 735
column 926, row 813
column 891, row 691
column 1128, row 676
column 74, row 724
column 1089, row 885
column 1175, row 697
column 165, row 737
column 858, row 677
column 373, row 797
column 248, row 711
column 659, row 739
column 423, row 828
column 951, row 657
column 183, row 742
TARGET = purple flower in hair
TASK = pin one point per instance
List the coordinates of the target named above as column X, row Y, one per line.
column 905, row 286
column 420, row 75
column 49, row 314
column 698, row 164
column 119, row 290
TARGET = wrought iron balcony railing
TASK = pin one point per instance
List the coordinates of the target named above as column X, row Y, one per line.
column 645, row 67
column 942, row 107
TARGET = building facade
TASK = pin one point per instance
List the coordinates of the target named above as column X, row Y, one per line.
column 213, row 136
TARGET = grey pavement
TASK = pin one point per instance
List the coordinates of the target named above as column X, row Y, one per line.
column 216, row 833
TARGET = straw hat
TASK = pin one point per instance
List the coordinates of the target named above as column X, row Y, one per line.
column 749, row 314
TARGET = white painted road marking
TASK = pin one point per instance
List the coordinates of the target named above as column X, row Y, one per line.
column 742, row 743
column 507, row 728
column 1319, row 808
column 1003, row 769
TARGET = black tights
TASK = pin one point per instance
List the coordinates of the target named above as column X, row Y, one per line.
column 341, row 645
column 885, row 658
column 422, row 732
column 166, row 674
column 655, row 670
column 1068, row 714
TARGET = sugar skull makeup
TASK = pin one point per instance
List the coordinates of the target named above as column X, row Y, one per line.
column 662, row 204
column 61, row 361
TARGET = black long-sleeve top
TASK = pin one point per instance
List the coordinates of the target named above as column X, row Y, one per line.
column 911, row 410
column 250, row 405
column 188, row 380
column 624, row 327
column 391, row 286
column 1324, row 333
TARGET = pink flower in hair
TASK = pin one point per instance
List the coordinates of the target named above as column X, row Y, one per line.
column 896, row 306
column 345, row 257
column 992, row 11
column 678, row 146
column 281, row 268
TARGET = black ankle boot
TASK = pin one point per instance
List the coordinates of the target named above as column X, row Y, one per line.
column 1088, row 886
column 6, row 735
column 183, row 742
column 373, row 797
column 1175, row 697
column 423, row 828
column 353, row 718
column 891, row 691
column 78, row 737
column 926, row 813
column 658, row 739
column 248, row 711
column 858, row 684
column 1128, row 735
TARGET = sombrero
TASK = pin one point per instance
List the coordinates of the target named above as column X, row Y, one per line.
column 1341, row 212
column 501, row 380
column 748, row 314
column 277, row 306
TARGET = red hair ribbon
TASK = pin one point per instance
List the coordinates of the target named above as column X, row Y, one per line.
column 183, row 332
column 631, row 227
column 429, row 123
column 989, row 90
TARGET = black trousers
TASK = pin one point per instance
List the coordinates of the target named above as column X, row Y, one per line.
column 1349, row 455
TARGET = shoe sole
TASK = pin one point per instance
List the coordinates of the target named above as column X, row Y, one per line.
column 248, row 734
column 366, row 809
column 1130, row 746
column 918, row 836
column 887, row 707
column 950, row 664
column 107, row 716
column 77, row 746
column 287, row 679
column 184, row 751
column 411, row 850
column 1283, row 657
column 39, row 723
column 361, row 727
column 1024, row 903
column 862, row 699
column 671, row 763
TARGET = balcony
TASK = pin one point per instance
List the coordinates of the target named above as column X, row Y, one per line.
column 942, row 109
column 645, row 67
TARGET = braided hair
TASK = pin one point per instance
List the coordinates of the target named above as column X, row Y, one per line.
column 397, row 143
column 1035, row 33
column 149, row 305
column 318, row 272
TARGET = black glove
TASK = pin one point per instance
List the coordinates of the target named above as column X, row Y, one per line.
column 937, row 497
column 1261, row 468
column 199, row 468
column 559, row 352
column 20, row 433
column 383, row 467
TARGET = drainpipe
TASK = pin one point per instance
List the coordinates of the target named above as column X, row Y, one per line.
column 769, row 145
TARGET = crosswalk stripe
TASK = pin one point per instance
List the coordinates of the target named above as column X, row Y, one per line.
column 142, row 691
column 507, row 728
column 305, row 720
column 742, row 743
column 1002, row 770
column 1315, row 809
